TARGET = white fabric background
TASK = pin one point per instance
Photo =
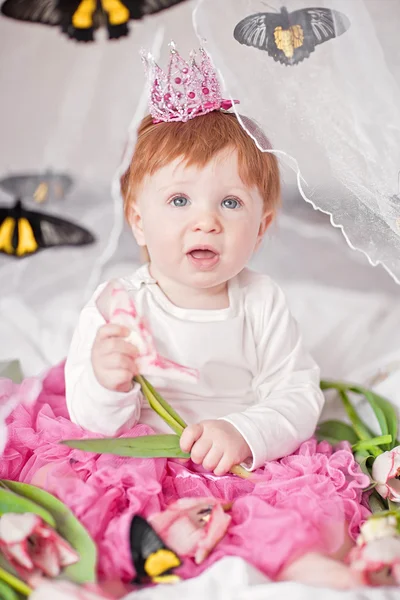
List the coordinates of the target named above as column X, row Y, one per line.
column 67, row 106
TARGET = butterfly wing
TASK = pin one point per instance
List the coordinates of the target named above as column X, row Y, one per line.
column 141, row 8
column 24, row 232
column 151, row 558
column 21, row 186
column 291, row 37
column 48, row 12
column 320, row 24
column 38, row 11
column 81, row 18
column 117, row 13
column 40, row 186
column 7, row 231
column 257, row 31
column 52, row 231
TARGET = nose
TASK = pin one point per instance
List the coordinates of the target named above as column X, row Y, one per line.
column 207, row 222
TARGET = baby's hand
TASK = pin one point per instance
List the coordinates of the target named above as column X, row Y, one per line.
column 113, row 358
column 217, row 445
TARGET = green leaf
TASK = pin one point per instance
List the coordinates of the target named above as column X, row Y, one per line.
column 394, row 506
column 165, row 404
column 335, row 431
column 384, row 412
column 376, row 503
column 161, row 406
column 7, row 592
column 361, row 429
column 380, row 440
column 363, row 432
column 10, row 502
column 360, row 455
column 146, row 446
column 68, row 527
column 365, row 463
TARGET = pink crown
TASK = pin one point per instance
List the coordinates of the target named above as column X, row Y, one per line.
column 186, row 90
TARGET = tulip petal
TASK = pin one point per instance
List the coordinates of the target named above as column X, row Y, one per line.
column 16, row 528
column 116, row 306
column 215, row 531
column 68, row 526
column 45, row 558
column 393, row 486
column 192, row 526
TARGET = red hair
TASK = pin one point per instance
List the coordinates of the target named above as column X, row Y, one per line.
column 197, row 141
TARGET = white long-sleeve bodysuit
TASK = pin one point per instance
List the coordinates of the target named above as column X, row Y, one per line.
column 254, row 371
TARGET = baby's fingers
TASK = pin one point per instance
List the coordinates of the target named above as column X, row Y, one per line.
column 190, row 435
column 224, row 465
column 111, row 330
column 115, row 344
column 120, row 362
column 212, row 458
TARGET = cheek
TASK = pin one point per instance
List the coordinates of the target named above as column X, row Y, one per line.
column 244, row 235
column 161, row 230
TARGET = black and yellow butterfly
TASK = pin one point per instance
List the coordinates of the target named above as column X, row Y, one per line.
column 153, row 561
column 290, row 37
column 78, row 19
column 24, row 232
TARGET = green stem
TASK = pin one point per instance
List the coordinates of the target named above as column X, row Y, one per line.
column 160, row 406
column 358, row 425
column 371, row 442
column 171, row 417
column 15, row 583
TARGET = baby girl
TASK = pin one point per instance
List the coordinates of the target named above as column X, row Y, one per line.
column 199, row 196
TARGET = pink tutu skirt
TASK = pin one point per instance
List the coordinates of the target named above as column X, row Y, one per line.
column 298, row 503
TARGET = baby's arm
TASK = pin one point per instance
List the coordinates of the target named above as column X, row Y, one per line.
column 98, row 357
column 289, row 399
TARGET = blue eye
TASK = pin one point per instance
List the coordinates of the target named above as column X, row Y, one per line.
column 179, row 201
column 230, row 203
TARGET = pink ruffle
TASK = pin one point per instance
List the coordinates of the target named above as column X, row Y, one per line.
column 297, row 503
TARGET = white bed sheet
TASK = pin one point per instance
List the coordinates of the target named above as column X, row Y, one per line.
column 233, row 579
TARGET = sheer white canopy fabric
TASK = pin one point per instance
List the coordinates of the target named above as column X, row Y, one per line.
column 333, row 118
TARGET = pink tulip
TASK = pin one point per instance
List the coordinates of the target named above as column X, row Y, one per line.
column 116, row 306
column 192, row 526
column 386, row 472
column 65, row 590
column 32, row 547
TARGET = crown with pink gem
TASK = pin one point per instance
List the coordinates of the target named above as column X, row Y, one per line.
column 185, row 90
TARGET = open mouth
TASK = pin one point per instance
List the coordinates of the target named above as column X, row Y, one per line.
column 203, row 257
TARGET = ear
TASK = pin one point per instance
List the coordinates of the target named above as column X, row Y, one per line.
column 136, row 223
column 265, row 223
